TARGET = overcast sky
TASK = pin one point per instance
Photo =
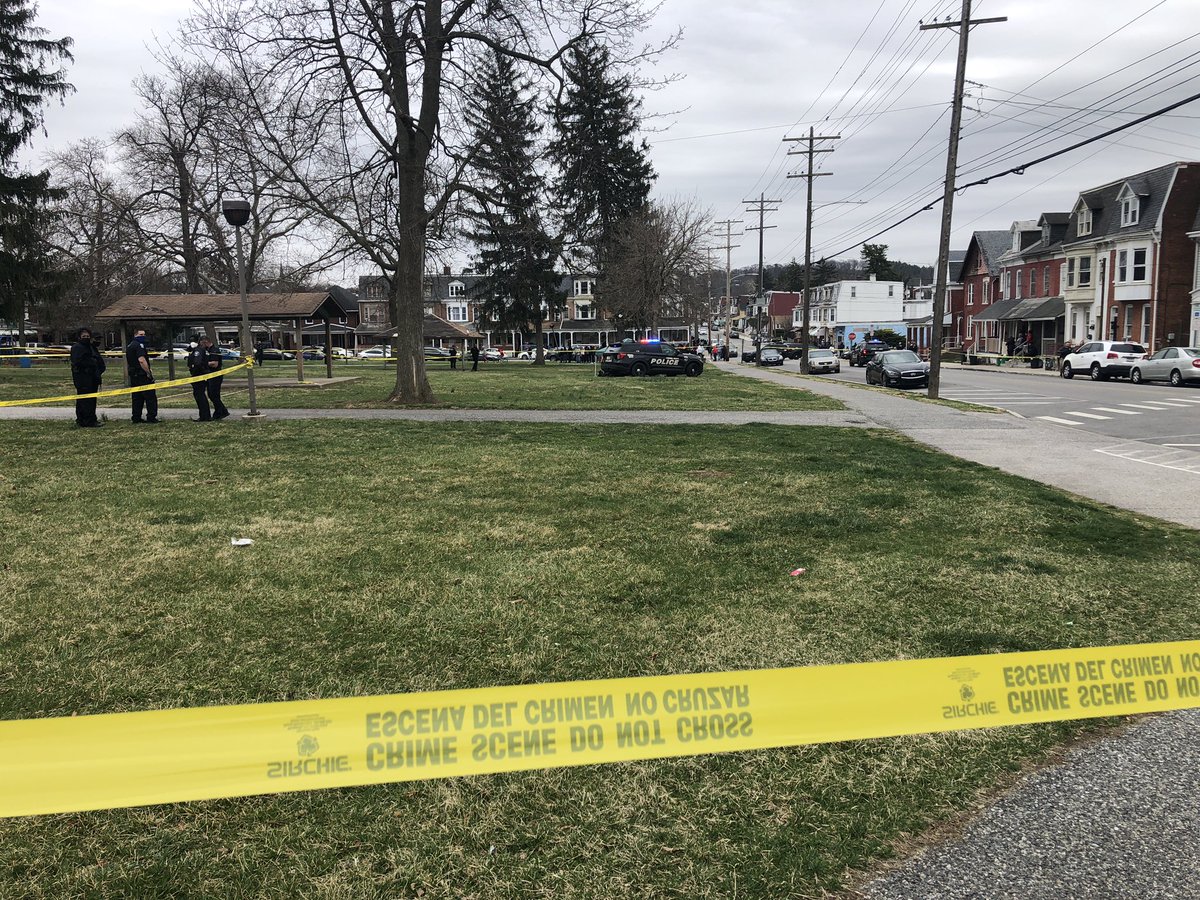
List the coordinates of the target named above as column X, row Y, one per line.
column 758, row 71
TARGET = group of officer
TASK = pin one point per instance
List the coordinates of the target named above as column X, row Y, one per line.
column 87, row 368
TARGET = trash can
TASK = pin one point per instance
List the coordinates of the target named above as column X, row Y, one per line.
column 26, row 362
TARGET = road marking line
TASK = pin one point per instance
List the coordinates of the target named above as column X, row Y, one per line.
column 1059, row 421
column 1120, row 412
column 1087, row 415
column 1191, row 470
column 1168, row 402
column 1143, row 406
column 1181, row 445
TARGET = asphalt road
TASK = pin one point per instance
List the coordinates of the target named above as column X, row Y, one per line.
column 1149, row 413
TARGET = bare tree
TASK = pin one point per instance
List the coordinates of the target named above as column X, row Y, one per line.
column 653, row 267
column 190, row 146
column 362, row 104
column 93, row 237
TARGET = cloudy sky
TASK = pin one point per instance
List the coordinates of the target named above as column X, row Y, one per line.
column 756, row 72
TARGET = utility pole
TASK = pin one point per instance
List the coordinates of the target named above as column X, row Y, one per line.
column 809, row 176
column 762, row 210
column 943, row 268
column 729, row 245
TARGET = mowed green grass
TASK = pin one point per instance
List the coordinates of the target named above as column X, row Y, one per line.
column 503, row 385
column 401, row 557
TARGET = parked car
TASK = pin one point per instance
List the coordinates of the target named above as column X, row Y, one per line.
column 314, row 353
column 277, row 354
column 375, row 353
column 770, row 356
column 897, row 368
column 341, row 353
column 492, row 354
column 648, row 357
column 1178, row 365
column 230, row 355
column 860, row 356
column 1102, row 360
column 822, row 362
column 436, row 353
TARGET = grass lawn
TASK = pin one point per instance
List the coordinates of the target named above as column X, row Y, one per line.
column 403, row 557
column 506, row 385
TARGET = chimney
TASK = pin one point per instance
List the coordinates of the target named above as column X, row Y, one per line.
column 445, row 270
column 872, row 276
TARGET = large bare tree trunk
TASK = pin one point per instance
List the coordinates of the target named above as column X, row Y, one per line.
column 408, row 290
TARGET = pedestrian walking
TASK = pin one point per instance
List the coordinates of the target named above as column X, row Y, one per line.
column 203, row 359
column 1010, row 345
column 454, row 356
column 87, row 365
column 475, row 357
column 138, row 364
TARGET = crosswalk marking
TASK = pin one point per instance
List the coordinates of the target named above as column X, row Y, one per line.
column 1144, row 406
column 1120, row 412
column 1058, row 421
column 1086, row 415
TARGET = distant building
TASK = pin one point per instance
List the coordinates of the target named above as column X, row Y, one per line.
column 849, row 311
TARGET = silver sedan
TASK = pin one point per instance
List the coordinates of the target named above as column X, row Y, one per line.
column 1178, row 365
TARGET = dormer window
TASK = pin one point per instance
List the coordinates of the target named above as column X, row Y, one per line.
column 1129, row 211
column 584, row 287
column 1130, row 206
column 457, row 289
column 1083, row 220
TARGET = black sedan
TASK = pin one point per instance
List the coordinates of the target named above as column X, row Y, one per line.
column 860, row 356
column 648, row 357
column 898, row 368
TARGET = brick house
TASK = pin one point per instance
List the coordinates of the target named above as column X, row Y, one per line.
column 980, row 277
column 1194, row 330
column 1030, row 287
column 1131, row 261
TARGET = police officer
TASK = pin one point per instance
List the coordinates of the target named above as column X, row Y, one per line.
column 475, row 357
column 87, row 365
column 138, row 364
column 204, row 358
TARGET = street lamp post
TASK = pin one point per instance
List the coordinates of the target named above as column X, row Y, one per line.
column 237, row 213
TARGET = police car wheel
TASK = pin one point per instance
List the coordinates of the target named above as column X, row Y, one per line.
column 639, row 369
column 693, row 370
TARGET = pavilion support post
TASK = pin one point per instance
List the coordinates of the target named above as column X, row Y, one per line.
column 328, row 350
column 300, row 350
column 171, row 350
column 124, row 344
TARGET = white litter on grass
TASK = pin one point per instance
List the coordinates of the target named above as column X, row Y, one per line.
column 241, row 542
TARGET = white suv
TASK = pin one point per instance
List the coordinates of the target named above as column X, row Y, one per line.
column 1103, row 359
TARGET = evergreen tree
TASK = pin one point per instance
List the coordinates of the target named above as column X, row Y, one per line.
column 792, row 277
column 877, row 264
column 824, row 272
column 26, row 83
column 605, row 173
column 517, row 254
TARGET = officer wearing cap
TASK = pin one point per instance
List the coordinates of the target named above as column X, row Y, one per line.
column 204, row 358
column 138, row 364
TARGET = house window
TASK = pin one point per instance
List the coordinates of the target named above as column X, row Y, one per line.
column 971, row 293
column 970, row 327
column 585, row 311
column 1122, row 266
column 987, row 291
column 1018, row 282
column 1007, row 292
column 891, row 290
column 457, row 312
column 1071, row 272
column 1046, row 282
column 1085, row 271
column 1139, row 264
column 853, row 292
column 584, row 287
column 1084, row 222
column 1033, row 282
column 456, row 289
column 1146, row 324
column 1130, row 207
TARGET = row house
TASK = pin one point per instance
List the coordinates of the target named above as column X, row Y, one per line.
column 1194, row 337
column 981, row 280
column 846, row 312
column 1130, row 260
column 918, row 307
column 1031, row 300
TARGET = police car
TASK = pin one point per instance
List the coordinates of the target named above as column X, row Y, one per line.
column 648, row 357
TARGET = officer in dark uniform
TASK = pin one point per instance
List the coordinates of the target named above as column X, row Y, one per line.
column 87, row 365
column 210, row 361
column 475, row 357
column 138, row 364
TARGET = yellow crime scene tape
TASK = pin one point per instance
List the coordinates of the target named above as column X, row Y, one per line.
column 117, row 392
column 131, row 759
